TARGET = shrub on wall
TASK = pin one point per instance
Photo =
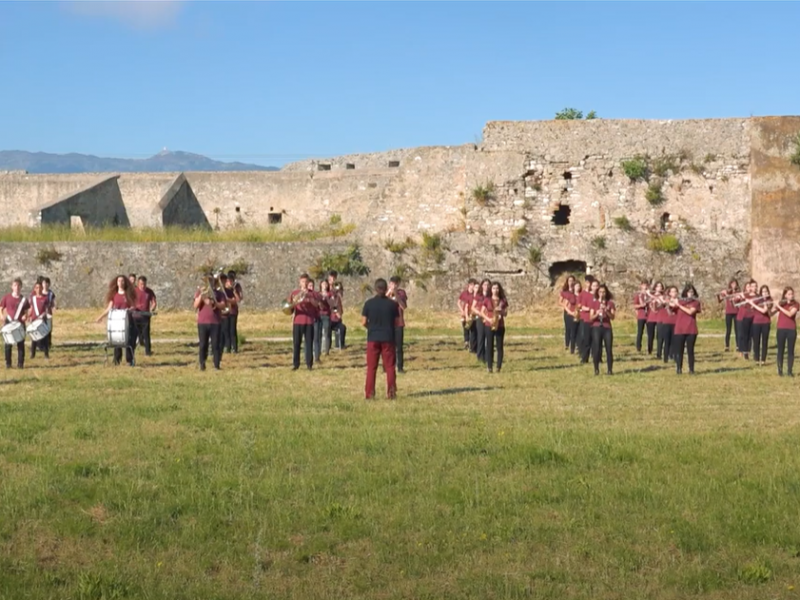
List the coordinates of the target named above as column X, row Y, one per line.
column 433, row 247
column 665, row 242
column 399, row 247
column 654, row 194
column 635, row 168
column 573, row 114
column 599, row 242
column 623, row 223
column 517, row 235
column 534, row 255
column 240, row 266
column 483, row 193
column 45, row 256
column 795, row 158
column 348, row 263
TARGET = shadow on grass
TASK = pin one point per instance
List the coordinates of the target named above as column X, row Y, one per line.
column 451, row 391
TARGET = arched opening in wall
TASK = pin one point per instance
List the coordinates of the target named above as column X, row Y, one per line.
column 561, row 215
column 563, row 268
column 323, row 167
column 274, row 218
column 664, row 221
column 238, row 209
column 567, row 175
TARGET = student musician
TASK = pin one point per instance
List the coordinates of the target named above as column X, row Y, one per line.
column 51, row 307
column 335, row 303
column 317, row 343
column 39, row 310
column 467, row 319
column 305, row 308
column 484, row 291
column 585, row 301
column 744, row 316
column 601, row 313
column 685, row 336
column 763, row 309
column 493, row 314
column 230, row 341
column 730, row 296
column 341, row 328
column 132, row 279
column 654, row 306
column 640, row 306
column 209, row 304
column 666, row 328
column 238, row 296
column 787, row 309
column 565, row 298
column 145, row 303
column 399, row 296
column 121, row 295
column 13, row 308
column 325, row 316
column 572, row 309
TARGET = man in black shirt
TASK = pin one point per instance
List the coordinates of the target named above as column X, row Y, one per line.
column 378, row 316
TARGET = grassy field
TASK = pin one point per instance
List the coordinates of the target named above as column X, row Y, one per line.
column 543, row 481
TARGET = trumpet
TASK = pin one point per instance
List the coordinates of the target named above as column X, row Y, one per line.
column 337, row 287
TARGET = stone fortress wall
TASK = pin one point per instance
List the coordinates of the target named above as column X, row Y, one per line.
column 559, row 194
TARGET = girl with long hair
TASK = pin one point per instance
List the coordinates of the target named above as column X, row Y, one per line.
column 745, row 315
column 654, row 312
column 493, row 313
column 685, row 334
column 565, row 299
column 39, row 310
column 325, row 316
column 666, row 327
column 585, row 310
column 730, row 296
column 484, row 292
column 787, row 329
column 602, row 313
column 121, row 295
column 572, row 308
column 762, row 319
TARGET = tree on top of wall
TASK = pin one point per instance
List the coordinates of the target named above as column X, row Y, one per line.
column 573, row 114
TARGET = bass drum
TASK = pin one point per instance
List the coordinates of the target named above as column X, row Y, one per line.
column 118, row 328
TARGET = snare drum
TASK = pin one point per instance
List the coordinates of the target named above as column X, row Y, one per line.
column 13, row 333
column 39, row 329
column 118, row 328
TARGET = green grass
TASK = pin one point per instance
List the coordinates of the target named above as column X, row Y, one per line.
column 275, row 233
column 540, row 482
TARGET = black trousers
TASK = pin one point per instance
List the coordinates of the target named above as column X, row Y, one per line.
column 568, row 318
column 480, row 330
column 303, row 335
column 760, row 340
column 681, row 342
column 473, row 337
column 143, row 333
column 209, row 335
column 731, row 325
column 398, row 345
column 786, row 341
column 43, row 345
column 20, row 354
column 603, row 336
column 651, row 335
column 745, row 335
column 574, row 335
column 640, row 327
column 665, row 332
column 225, row 341
column 130, row 349
column 585, row 344
column 465, row 329
column 494, row 342
column 339, row 329
column 230, row 333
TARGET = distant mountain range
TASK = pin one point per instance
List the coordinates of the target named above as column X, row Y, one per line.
column 42, row 162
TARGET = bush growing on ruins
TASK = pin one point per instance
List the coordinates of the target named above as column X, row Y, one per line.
column 623, row 223
column 591, row 115
column 697, row 169
column 534, row 255
column 599, row 242
column 45, row 256
column 518, row 234
column 573, row 114
column 348, row 263
column 240, row 266
column 433, row 247
column 335, row 219
column 654, row 194
column 635, row 168
column 795, row 158
column 399, row 247
column 665, row 242
column 664, row 164
column 483, row 193
column 710, row 158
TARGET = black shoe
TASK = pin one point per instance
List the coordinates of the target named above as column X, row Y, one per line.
column 148, row 354
column 217, row 368
column 691, row 372
column 727, row 349
column 8, row 365
column 678, row 371
column 309, row 367
column 295, row 368
column 202, row 366
column 780, row 373
column 490, row 370
column 401, row 371
column 597, row 371
column 609, row 372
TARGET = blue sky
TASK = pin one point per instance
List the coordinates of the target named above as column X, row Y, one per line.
column 272, row 82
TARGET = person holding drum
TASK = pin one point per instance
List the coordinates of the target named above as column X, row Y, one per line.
column 12, row 307
column 39, row 315
column 121, row 295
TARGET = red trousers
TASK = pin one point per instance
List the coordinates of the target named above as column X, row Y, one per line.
column 376, row 350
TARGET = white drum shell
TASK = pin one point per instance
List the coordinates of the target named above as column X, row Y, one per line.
column 118, row 328
column 39, row 329
column 13, row 333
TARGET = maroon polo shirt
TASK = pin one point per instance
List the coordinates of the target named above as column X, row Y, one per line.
column 686, row 324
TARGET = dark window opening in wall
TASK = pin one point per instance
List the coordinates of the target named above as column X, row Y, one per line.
column 561, row 215
column 567, row 175
column 238, row 209
column 274, row 218
column 349, row 166
column 394, row 163
column 664, row 221
column 611, row 172
column 711, row 189
column 563, row 268
column 271, row 209
column 323, row 167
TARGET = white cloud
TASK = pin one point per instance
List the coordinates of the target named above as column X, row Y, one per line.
column 139, row 14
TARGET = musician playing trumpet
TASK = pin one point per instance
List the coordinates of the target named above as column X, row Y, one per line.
column 209, row 301
column 305, row 308
column 787, row 309
column 744, row 316
column 467, row 318
column 685, row 335
column 602, row 311
column 640, row 306
column 398, row 295
column 655, row 310
column 493, row 313
column 763, row 309
column 730, row 296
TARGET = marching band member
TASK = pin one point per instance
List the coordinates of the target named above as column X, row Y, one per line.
column 572, row 308
column 745, row 316
column 787, row 309
column 39, row 309
column 305, row 309
column 729, row 297
column 398, row 295
column 238, row 296
column 335, row 302
column 132, row 279
column 224, row 339
column 666, row 327
column 341, row 328
column 484, row 291
column 584, row 309
column 12, row 307
column 654, row 307
column 467, row 320
column 325, row 316
column 209, row 304
column 51, row 307
column 121, row 295
column 601, row 313
column 145, row 302
column 379, row 315
column 230, row 341
column 640, row 306
column 685, row 336
column 493, row 313
column 762, row 319
column 566, row 298
column 317, row 343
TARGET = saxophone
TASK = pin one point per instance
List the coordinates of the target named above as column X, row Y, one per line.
column 495, row 314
